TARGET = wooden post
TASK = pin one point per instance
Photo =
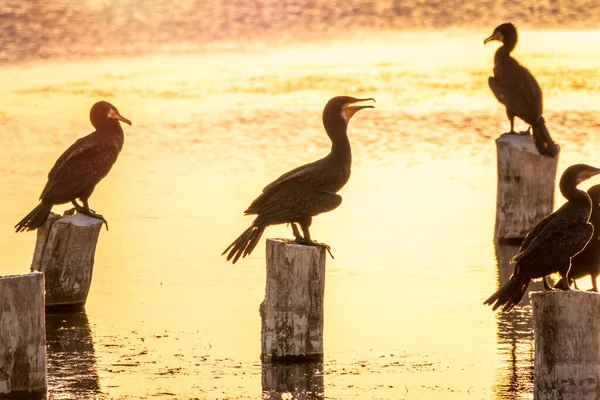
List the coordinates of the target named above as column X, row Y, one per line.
column 566, row 328
column 301, row 381
column 525, row 186
column 64, row 252
column 292, row 312
column 22, row 336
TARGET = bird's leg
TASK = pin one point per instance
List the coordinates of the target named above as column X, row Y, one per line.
column 563, row 284
column 511, row 118
column 296, row 232
column 90, row 213
column 306, row 240
column 594, row 284
column 547, row 286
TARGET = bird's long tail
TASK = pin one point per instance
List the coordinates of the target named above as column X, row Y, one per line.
column 510, row 294
column 35, row 218
column 542, row 139
column 245, row 243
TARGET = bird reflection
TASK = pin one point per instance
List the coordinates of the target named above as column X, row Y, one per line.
column 298, row 381
column 71, row 357
column 514, row 379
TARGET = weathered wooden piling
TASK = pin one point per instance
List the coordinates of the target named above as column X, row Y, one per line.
column 22, row 336
column 566, row 327
column 525, row 186
column 292, row 312
column 64, row 252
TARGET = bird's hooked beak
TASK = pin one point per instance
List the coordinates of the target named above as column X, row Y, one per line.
column 115, row 114
column 588, row 173
column 497, row 35
column 351, row 110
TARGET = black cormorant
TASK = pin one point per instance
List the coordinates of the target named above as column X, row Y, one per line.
column 79, row 169
column 515, row 87
column 588, row 261
column 549, row 246
column 300, row 194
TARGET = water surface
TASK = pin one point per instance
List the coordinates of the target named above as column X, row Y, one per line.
column 167, row 316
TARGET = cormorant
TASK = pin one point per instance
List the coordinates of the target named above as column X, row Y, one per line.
column 300, row 194
column 549, row 246
column 79, row 169
column 588, row 261
column 515, row 87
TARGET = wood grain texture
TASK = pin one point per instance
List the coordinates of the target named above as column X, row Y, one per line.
column 64, row 252
column 22, row 336
column 526, row 182
column 292, row 312
column 566, row 327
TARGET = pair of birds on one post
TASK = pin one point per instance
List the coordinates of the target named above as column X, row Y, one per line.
column 306, row 191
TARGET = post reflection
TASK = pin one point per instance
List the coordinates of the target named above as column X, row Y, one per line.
column 298, row 381
column 514, row 379
column 71, row 357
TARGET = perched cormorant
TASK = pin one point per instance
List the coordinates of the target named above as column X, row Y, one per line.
column 300, row 194
column 588, row 261
column 515, row 87
column 79, row 169
column 549, row 246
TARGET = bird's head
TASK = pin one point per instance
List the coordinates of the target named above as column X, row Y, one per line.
column 102, row 112
column 505, row 33
column 578, row 173
column 340, row 109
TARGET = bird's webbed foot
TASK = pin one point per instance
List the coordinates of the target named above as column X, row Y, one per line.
column 301, row 240
column 90, row 213
column 527, row 132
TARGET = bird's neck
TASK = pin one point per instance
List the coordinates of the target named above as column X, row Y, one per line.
column 340, row 145
column 571, row 193
column 109, row 125
column 507, row 47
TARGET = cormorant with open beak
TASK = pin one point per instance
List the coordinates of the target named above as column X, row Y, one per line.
column 300, row 194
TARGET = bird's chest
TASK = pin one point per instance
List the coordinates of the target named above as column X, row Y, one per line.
column 337, row 177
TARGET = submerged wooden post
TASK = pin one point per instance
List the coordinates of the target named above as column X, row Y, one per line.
column 64, row 252
column 566, row 328
column 525, row 186
column 292, row 312
column 301, row 381
column 22, row 336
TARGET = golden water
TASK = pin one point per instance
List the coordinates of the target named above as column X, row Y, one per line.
column 168, row 317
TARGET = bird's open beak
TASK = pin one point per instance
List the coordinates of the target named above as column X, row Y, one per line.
column 495, row 36
column 114, row 114
column 351, row 110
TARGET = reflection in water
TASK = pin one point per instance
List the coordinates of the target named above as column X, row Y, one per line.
column 515, row 335
column 71, row 357
column 293, row 380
